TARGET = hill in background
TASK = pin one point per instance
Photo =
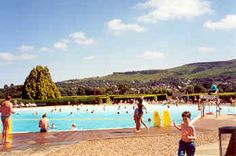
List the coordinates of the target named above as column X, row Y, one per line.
column 194, row 77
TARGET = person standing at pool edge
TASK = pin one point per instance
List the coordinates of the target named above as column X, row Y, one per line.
column 44, row 123
column 188, row 136
column 6, row 111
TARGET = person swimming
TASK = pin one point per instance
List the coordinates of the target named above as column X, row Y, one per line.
column 53, row 126
column 73, row 126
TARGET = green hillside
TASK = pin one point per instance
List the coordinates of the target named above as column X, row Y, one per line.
column 191, row 78
column 189, row 71
column 207, row 69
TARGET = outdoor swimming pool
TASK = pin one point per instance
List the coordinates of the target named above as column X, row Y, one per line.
column 91, row 117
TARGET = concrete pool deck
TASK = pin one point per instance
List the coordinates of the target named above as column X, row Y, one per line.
column 210, row 122
column 26, row 141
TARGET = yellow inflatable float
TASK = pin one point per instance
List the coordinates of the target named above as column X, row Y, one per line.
column 10, row 127
column 9, row 137
column 166, row 118
column 156, row 119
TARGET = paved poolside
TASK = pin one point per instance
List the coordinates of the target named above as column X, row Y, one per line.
column 210, row 122
column 24, row 141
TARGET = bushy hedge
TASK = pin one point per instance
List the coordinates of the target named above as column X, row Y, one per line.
column 93, row 99
column 67, row 100
column 77, row 100
column 223, row 96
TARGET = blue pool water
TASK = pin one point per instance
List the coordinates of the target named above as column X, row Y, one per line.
column 103, row 117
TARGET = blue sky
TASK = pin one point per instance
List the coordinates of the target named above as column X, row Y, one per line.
column 78, row 38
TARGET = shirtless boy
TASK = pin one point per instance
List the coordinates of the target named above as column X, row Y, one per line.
column 187, row 136
column 44, row 123
column 6, row 111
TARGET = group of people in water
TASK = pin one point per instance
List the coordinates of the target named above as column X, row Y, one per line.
column 45, row 126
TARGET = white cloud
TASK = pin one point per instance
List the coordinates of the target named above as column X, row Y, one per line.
column 117, row 25
column 9, row 58
column 163, row 10
column 25, row 57
column 89, row 58
column 25, row 48
column 150, row 55
column 81, row 39
column 206, row 50
column 227, row 23
column 61, row 45
column 45, row 49
column 6, row 57
column 65, row 41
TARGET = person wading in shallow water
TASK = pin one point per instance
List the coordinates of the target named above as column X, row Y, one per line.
column 44, row 123
column 6, row 111
column 138, row 115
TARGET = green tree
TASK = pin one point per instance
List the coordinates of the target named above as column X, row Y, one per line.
column 199, row 89
column 39, row 85
column 89, row 91
column 81, row 90
column 189, row 89
column 6, row 90
column 112, row 90
column 2, row 95
column 123, row 88
column 99, row 91
column 68, row 91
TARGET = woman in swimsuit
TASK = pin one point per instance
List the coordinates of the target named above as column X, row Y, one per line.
column 138, row 116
